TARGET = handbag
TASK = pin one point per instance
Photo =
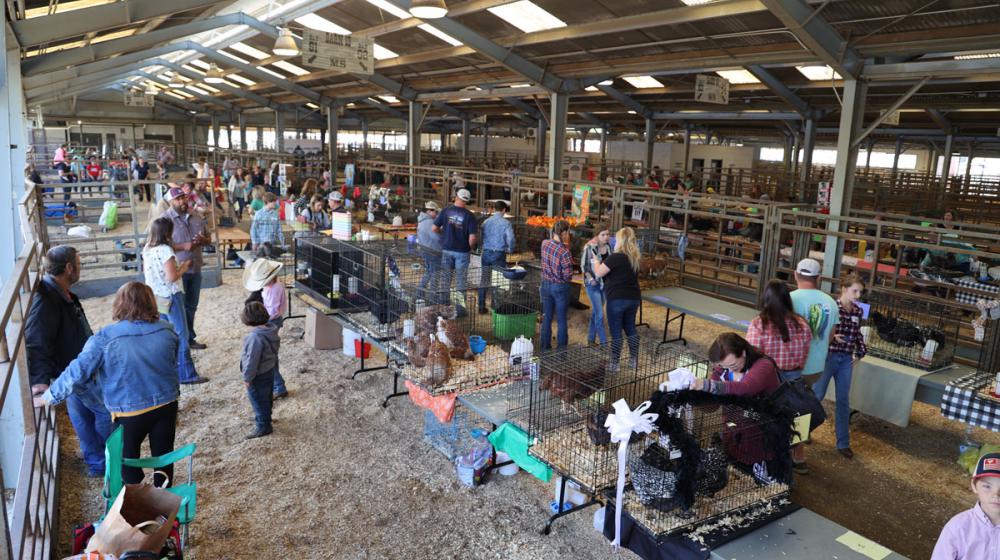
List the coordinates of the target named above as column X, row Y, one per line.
column 797, row 396
column 141, row 518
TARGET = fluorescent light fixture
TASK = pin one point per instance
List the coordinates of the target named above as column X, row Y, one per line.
column 819, row 72
column 172, row 94
column 392, row 9
column 428, row 9
column 977, row 56
column 696, row 2
column 642, row 82
column 631, row 112
column 312, row 105
column 184, row 94
column 210, row 88
column 290, row 68
column 249, row 51
column 466, row 99
column 285, row 45
column 738, row 76
column 527, row 16
column 389, row 98
column 606, row 83
column 190, row 68
column 193, row 112
column 350, row 104
column 196, row 90
column 441, row 35
column 519, row 85
column 200, row 63
column 591, row 88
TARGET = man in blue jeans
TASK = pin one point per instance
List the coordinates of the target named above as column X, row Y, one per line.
column 188, row 239
column 55, row 333
column 430, row 248
column 498, row 241
column 459, row 228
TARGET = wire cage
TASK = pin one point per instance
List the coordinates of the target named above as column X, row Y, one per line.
column 710, row 456
column 911, row 331
column 317, row 261
column 570, row 394
column 987, row 381
column 453, row 438
column 469, row 349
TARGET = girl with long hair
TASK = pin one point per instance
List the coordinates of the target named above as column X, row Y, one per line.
column 620, row 272
column 779, row 332
column 597, row 248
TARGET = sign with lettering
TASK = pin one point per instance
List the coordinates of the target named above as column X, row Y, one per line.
column 138, row 99
column 711, row 89
column 332, row 51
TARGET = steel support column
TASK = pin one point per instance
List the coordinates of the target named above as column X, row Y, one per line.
column 808, row 146
column 852, row 113
column 604, row 150
column 279, row 131
column 540, row 144
column 215, row 130
column 364, row 138
column 242, row 119
column 687, row 147
column 949, row 142
column 413, row 121
column 968, row 166
column 466, row 131
column 557, row 145
column 332, row 128
column 650, row 138
column 260, row 138
column 895, row 158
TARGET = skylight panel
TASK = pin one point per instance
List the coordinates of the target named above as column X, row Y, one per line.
column 234, row 57
column 389, row 98
column 172, row 94
column 738, row 76
column 241, row 79
column 643, row 82
column 200, row 63
column 382, row 53
column 527, row 16
column 441, row 35
column 290, row 68
column 249, row 51
column 64, row 6
column 816, row 73
column 697, row 2
column 320, row 23
column 312, row 105
column 183, row 93
column 192, row 68
column 394, row 10
column 209, row 88
column 196, row 90
column 271, row 72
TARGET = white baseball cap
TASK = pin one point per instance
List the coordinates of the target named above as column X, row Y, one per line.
column 808, row 267
column 335, row 195
column 464, row 194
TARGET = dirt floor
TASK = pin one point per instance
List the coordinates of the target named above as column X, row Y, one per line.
column 342, row 477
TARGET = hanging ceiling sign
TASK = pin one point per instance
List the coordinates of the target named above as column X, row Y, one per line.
column 332, row 51
column 711, row 89
column 138, row 99
column 891, row 119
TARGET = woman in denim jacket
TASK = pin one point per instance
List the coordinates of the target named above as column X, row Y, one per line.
column 135, row 363
column 597, row 248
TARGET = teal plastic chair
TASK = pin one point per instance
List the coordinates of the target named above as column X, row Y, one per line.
column 114, row 461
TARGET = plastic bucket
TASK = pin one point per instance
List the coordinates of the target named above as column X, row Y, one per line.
column 349, row 339
column 506, row 470
column 509, row 327
column 364, row 352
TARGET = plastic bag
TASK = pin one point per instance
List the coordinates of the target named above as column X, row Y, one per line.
column 438, row 363
column 109, row 215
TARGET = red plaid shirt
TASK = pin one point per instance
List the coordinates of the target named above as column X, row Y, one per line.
column 557, row 263
column 849, row 328
column 788, row 356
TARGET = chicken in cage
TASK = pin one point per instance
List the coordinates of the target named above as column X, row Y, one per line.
column 910, row 331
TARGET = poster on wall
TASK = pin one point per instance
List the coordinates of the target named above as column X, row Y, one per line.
column 581, row 202
column 333, row 51
column 823, row 194
column 575, row 172
column 711, row 89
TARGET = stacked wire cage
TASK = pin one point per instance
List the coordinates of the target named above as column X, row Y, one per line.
column 710, row 456
column 450, row 347
column 908, row 330
column 987, row 380
column 318, row 260
column 564, row 397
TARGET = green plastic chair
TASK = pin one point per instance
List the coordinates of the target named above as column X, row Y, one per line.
column 114, row 461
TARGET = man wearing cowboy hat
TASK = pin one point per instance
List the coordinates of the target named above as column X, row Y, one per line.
column 260, row 278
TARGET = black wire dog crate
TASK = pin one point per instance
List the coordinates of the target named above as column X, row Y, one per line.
column 710, row 456
column 988, row 370
column 910, row 331
column 571, row 395
column 318, row 261
column 477, row 345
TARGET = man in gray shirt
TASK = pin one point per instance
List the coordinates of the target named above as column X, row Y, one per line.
column 188, row 239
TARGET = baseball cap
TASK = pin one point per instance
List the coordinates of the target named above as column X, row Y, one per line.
column 988, row 465
column 464, row 194
column 336, row 195
column 431, row 205
column 173, row 194
column 808, row 267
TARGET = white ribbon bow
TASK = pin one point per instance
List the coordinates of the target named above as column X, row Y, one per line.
column 621, row 424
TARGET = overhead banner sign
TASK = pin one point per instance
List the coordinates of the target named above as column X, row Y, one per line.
column 332, row 51
column 138, row 99
column 711, row 89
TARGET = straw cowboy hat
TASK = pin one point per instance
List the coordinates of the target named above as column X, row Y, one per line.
column 258, row 273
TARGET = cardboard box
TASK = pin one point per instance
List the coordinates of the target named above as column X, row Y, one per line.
column 322, row 332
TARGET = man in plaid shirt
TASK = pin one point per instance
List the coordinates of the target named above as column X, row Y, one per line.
column 266, row 226
column 557, row 273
